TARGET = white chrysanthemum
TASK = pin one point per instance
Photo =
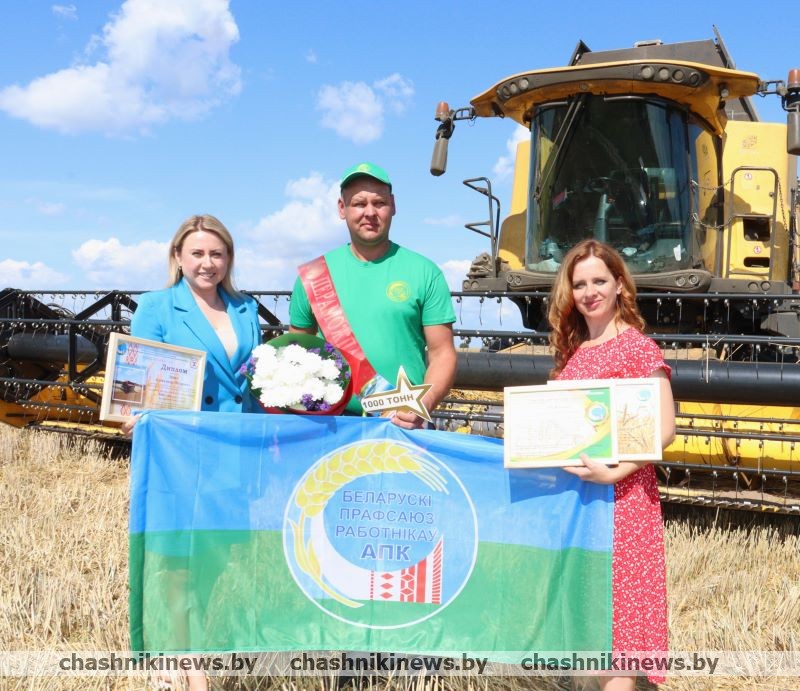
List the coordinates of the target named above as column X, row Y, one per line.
column 333, row 394
column 328, row 370
column 298, row 357
column 266, row 360
column 314, row 387
column 290, row 375
column 261, row 382
column 265, row 351
column 281, row 396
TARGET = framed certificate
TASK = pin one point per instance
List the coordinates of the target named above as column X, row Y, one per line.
column 637, row 408
column 553, row 425
column 148, row 375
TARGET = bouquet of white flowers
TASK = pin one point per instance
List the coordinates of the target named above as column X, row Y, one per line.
column 299, row 373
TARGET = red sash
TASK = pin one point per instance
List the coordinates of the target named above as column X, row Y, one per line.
column 316, row 279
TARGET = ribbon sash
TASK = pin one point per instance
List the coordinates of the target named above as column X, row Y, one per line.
column 316, row 279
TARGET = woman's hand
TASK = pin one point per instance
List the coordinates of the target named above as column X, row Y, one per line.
column 128, row 425
column 592, row 471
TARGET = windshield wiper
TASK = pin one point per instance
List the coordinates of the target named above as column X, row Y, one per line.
column 565, row 132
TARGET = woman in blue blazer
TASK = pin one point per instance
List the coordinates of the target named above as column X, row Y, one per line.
column 201, row 309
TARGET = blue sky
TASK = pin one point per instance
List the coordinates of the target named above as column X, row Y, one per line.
column 120, row 119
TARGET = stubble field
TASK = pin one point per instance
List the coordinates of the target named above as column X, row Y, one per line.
column 734, row 579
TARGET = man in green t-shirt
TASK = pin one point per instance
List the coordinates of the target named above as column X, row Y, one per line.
column 396, row 301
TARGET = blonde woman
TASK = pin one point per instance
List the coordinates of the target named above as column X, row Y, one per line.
column 201, row 309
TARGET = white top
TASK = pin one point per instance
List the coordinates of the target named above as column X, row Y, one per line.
column 227, row 336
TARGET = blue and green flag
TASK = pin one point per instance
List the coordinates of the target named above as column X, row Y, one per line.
column 284, row 532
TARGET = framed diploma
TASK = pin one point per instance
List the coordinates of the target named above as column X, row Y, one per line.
column 553, row 425
column 148, row 375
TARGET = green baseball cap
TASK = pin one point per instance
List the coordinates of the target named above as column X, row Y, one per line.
column 365, row 169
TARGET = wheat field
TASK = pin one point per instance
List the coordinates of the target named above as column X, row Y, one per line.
column 734, row 579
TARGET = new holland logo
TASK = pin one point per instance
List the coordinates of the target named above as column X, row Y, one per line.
column 380, row 534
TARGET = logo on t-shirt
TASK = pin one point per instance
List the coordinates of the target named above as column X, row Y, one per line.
column 398, row 291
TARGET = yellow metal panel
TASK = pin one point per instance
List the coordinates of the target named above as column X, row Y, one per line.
column 706, row 195
column 512, row 241
column 739, row 419
column 697, row 449
column 756, row 243
column 511, row 250
column 704, row 100
column 522, row 169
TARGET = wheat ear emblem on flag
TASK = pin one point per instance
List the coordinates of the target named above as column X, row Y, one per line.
column 343, row 580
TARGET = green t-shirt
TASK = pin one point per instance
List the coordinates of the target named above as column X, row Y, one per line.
column 387, row 302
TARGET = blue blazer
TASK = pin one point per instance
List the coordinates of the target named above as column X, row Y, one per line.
column 172, row 316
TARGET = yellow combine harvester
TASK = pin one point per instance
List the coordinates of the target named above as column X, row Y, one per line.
column 658, row 150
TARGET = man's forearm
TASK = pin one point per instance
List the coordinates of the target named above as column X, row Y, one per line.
column 441, row 374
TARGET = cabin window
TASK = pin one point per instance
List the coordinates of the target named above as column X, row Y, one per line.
column 615, row 169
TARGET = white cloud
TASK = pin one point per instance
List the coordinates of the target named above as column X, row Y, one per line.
column 307, row 225
column 311, row 57
column 356, row 110
column 51, row 208
column 352, row 110
column 397, row 92
column 20, row 274
column 256, row 270
column 451, row 221
column 314, row 188
column 110, row 264
column 65, row 11
column 309, row 219
column 159, row 60
column 504, row 166
column 46, row 208
column 455, row 271
column 267, row 255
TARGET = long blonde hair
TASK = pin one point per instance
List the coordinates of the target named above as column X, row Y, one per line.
column 568, row 327
column 209, row 224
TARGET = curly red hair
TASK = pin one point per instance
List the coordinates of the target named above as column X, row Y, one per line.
column 568, row 327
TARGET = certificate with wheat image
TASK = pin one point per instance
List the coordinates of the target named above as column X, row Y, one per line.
column 637, row 412
column 637, row 408
column 551, row 426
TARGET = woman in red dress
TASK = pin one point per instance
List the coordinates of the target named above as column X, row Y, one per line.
column 597, row 334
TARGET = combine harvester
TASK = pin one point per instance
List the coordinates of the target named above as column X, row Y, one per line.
column 657, row 150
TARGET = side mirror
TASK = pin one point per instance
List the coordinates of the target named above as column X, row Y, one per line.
column 439, row 158
column 793, row 132
column 443, row 134
column 791, row 104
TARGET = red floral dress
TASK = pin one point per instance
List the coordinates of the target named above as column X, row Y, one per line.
column 639, row 589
